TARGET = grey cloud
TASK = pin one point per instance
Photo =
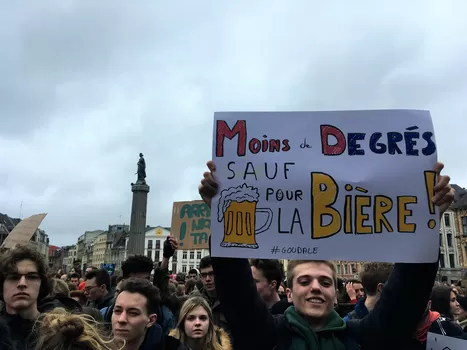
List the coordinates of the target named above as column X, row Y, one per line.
column 86, row 86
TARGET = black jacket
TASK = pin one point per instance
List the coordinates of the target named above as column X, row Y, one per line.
column 20, row 331
column 49, row 303
column 106, row 301
column 391, row 324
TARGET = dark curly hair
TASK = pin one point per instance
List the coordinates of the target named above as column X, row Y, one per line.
column 8, row 265
column 137, row 264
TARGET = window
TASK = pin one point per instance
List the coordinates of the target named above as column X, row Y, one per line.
column 184, row 268
column 345, row 269
column 158, row 244
column 174, row 258
column 184, row 254
column 157, row 257
column 191, row 267
column 339, row 269
column 452, row 260
column 354, row 268
column 464, row 225
column 198, row 255
column 149, row 254
column 192, row 255
column 150, row 244
column 441, row 261
column 440, row 239
column 449, row 237
column 174, row 267
column 447, row 220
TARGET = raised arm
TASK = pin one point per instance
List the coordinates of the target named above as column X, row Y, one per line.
column 403, row 302
column 250, row 323
column 405, row 296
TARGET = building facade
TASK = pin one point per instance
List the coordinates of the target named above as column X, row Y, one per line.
column 116, row 245
column 189, row 259
column 84, row 247
column 99, row 248
column 348, row 269
column 461, row 225
column 449, row 263
column 154, row 242
column 182, row 261
column 40, row 243
column 71, row 258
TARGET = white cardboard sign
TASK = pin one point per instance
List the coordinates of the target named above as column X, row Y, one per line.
column 441, row 342
column 23, row 232
column 348, row 185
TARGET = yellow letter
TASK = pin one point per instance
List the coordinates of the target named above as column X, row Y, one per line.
column 324, row 193
column 403, row 212
column 383, row 205
column 360, row 217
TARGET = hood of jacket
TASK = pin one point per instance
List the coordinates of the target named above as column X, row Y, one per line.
column 303, row 337
column 221, row 335
column 224, row 339
column 51, row 302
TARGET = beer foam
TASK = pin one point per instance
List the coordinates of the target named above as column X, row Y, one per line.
column 243, row 193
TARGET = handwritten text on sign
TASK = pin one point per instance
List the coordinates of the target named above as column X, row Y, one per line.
column 352, row 185
column 191, row 224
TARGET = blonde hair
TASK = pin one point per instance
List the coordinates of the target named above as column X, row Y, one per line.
column 59, row 287
column 211, row 342
column 61, row 330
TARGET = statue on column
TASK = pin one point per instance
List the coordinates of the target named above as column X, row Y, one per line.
column 141, row 170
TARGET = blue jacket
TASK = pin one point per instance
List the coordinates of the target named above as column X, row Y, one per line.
column 359, row 312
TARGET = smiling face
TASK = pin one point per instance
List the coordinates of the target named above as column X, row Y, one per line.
column 313, row 291
column 21, row 288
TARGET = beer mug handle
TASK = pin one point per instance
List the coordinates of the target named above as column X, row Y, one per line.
column 268, row 222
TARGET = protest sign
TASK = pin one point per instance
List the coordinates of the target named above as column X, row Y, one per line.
column 191, row 224
column 23, row 232
column 440, row 342
column 349, row 185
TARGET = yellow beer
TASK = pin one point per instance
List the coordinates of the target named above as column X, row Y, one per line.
column 239, row 225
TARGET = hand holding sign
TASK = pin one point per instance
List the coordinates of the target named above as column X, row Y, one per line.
column 367, row 181
column 208, row 186
column 443, row 192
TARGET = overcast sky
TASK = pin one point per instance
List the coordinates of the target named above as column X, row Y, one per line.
column 87, row 85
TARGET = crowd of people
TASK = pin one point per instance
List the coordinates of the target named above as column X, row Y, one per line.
column 227, row 303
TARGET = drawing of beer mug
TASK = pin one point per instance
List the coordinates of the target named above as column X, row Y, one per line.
column 238, row 209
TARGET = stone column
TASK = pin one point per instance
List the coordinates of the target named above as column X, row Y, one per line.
column 138, row 219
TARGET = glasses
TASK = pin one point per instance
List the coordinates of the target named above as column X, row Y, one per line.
column 15, row 277
column 88, row 289
column 206, row 274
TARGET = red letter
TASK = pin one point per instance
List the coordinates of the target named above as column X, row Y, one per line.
column 224, row 131
column 332, row 150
